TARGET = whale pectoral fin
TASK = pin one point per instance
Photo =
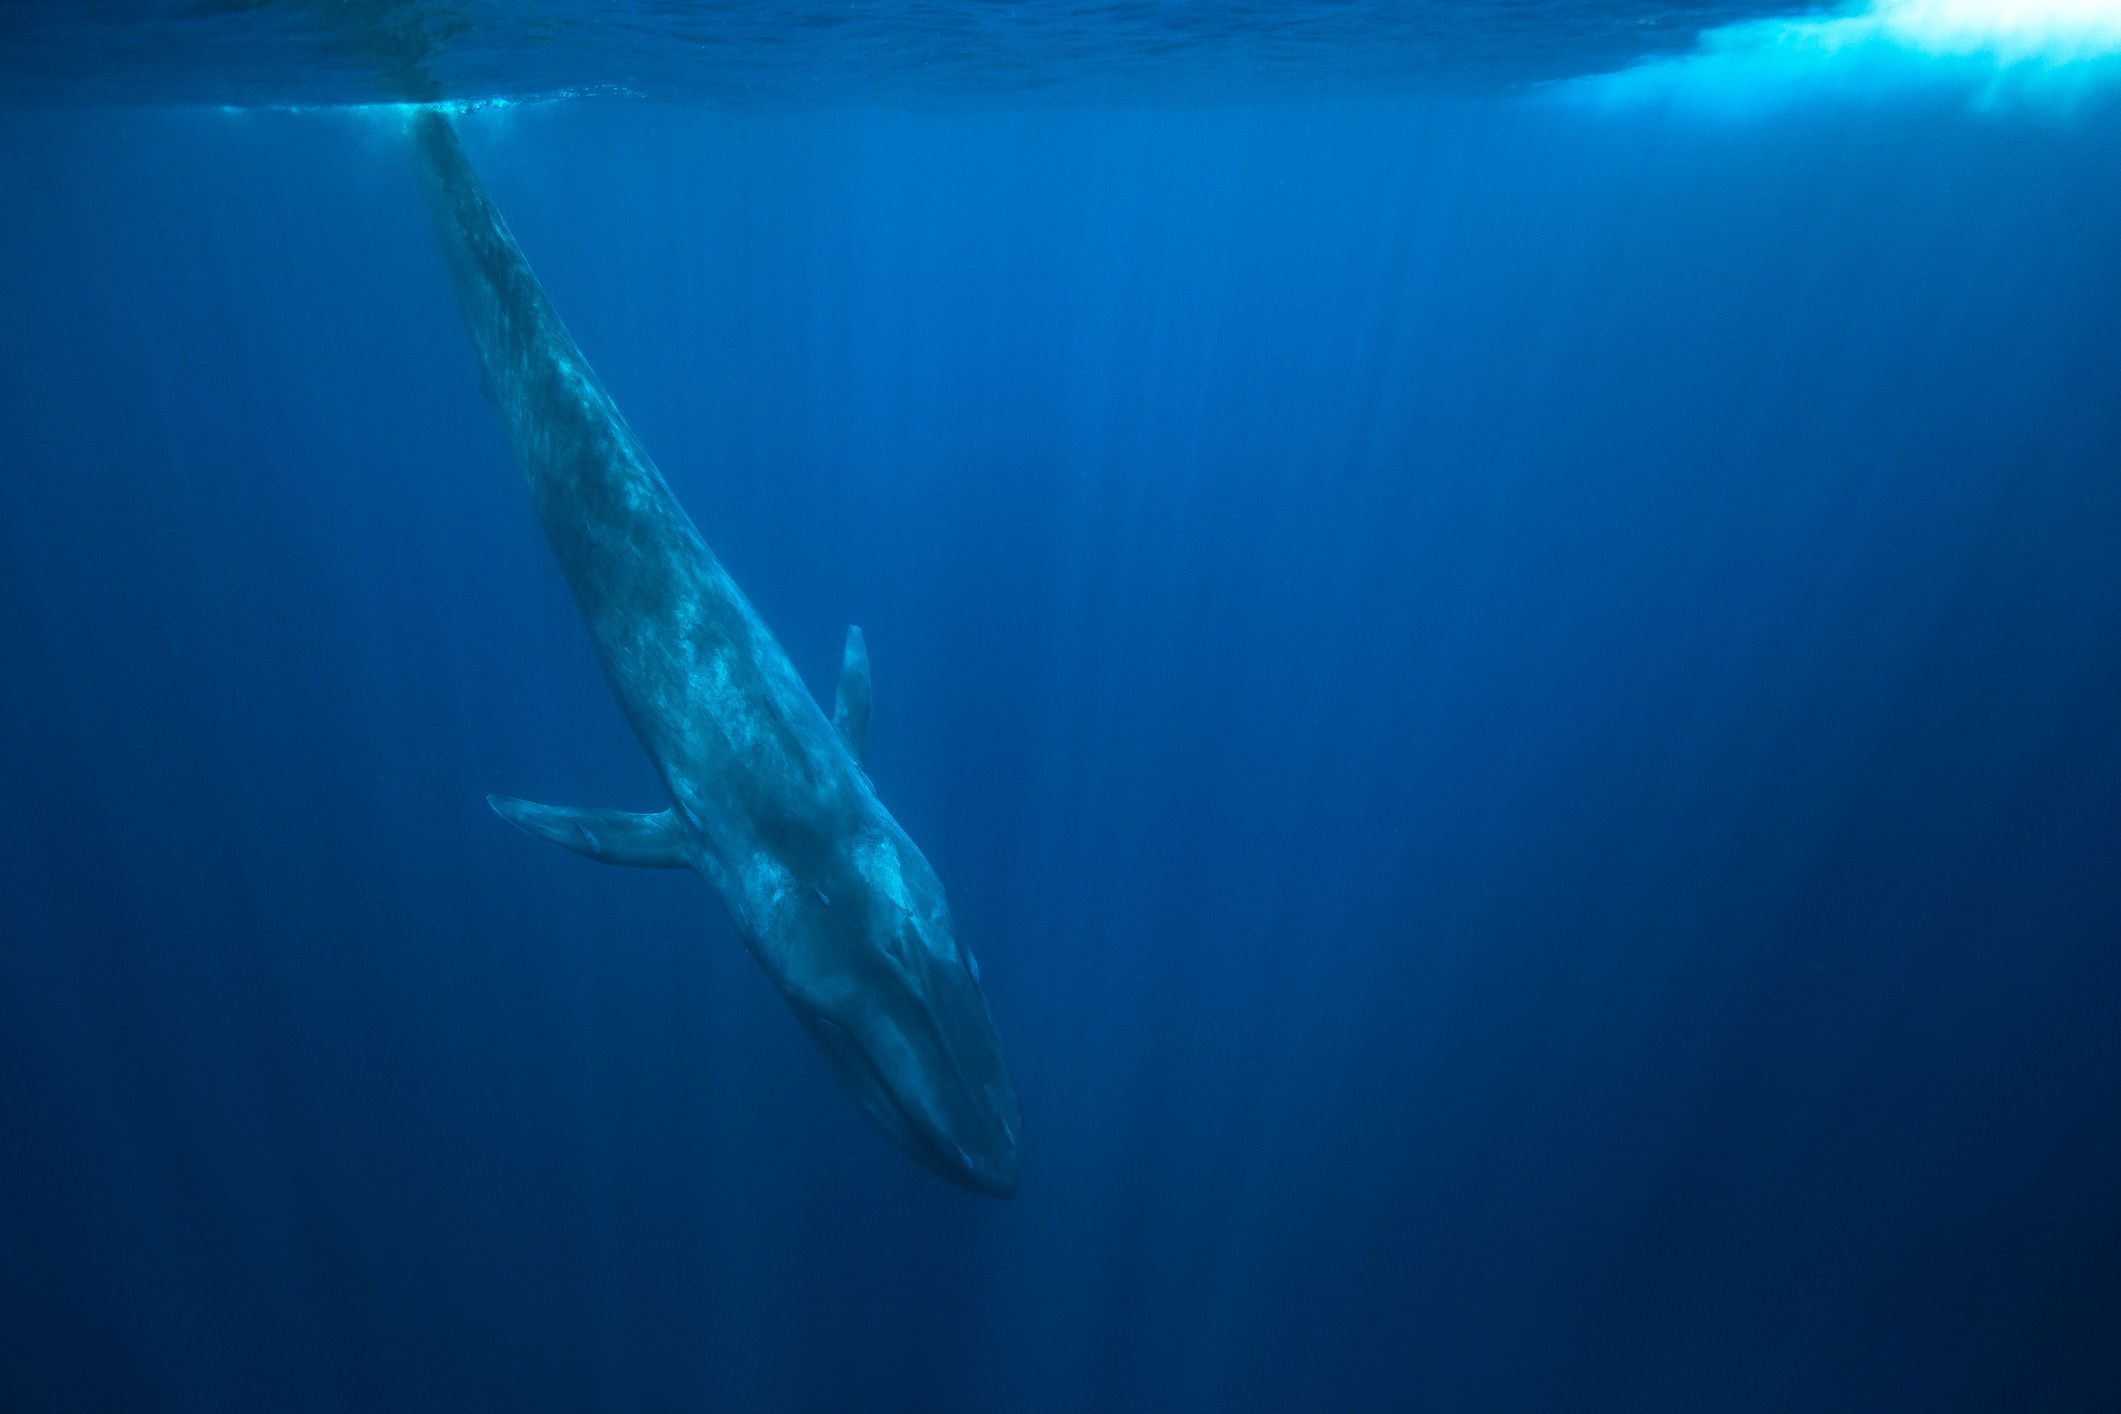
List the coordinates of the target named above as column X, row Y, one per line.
column 850, row 701
column 607, row 836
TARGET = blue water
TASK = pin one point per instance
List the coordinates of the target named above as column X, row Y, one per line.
column 1519, row 699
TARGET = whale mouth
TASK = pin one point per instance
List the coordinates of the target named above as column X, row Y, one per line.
column 896, row 1120
column 925, row 1141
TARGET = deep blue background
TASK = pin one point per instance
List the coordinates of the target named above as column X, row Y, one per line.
column 1521, row 706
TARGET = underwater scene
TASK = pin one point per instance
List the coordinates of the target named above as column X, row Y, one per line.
column 983, row 706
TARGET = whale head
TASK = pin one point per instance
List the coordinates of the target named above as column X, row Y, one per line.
column 882, row 984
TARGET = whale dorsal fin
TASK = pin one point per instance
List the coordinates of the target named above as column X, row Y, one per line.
column 850, row 700
column 607, row 836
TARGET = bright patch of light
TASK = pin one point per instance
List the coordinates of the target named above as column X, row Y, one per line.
column 1998, row 53
column 2013, row 31
column 454, row 107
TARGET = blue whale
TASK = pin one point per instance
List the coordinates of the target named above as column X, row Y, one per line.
column 768, row 801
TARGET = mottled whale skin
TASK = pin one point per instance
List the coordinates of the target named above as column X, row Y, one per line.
column 768, row 800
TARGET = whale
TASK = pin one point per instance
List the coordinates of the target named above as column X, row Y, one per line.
column 768, row 799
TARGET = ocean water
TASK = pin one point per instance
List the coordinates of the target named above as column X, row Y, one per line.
column 1515, row 674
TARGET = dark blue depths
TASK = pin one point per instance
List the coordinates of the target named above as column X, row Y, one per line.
column 1520, row 706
